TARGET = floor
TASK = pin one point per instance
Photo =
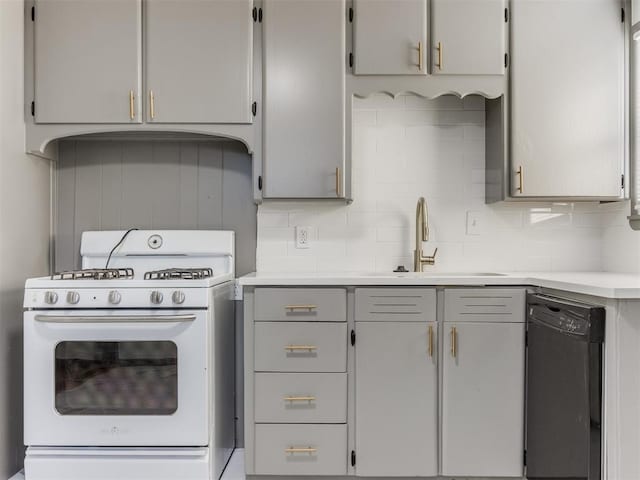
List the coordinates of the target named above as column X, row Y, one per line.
column 234, row 470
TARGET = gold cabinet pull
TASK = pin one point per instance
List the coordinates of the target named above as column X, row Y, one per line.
column 338, row 183
column 439, row 64
column 308, row 398
column 152, row 105
column 430, row 335
column 520, row 174
column 293, row 348
column 309, row 450
column 132, row 108
column 454, row 342
column 292, row 308
column 420, row 57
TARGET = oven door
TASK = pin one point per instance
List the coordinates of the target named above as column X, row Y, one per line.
column 116, row 378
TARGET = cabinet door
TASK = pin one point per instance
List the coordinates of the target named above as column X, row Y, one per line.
column 567, row 83
column 198, row 61
column 87, row 61
column 483, row 399
column 390, row 37
column 468, row 37
column 396, row 399
column 304, row 89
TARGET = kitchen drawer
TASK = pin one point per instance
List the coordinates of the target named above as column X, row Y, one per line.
column 300, row 304
column 322, row 449
column 395, row 304
column 300, row 397
column 484, row 305
column 300, row 347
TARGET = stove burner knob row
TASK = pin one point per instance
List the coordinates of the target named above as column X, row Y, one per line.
column 73, row 297
column 114, row 297
column 178, row 297
column 156, row 297
column 50, row 297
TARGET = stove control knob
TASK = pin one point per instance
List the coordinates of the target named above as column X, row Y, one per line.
column 50, row 297
column 73, row 297
column 178, row 297
column 114, row 297
column 156, row 297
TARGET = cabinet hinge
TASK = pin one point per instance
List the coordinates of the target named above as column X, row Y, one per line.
column 350, row 14
column 254, row 108
column 257, row 14
column 622, row 15
column 350, row 59
column 353, row 458
column 353, row 337
column 33, row 109
column 33, row 14
column 260, row 182
column 622, row 181
column 506, row 15
column 506, row 60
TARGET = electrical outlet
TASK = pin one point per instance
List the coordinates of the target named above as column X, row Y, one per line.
column 474, row 223
column 303, row 237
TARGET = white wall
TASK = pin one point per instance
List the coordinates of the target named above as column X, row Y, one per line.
column 620, row 244
column 409, row 147
column 24, row 229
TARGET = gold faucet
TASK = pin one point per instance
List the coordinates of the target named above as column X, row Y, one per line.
column 422, row 235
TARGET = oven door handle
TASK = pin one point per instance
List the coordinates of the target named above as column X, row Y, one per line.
column 115, row 318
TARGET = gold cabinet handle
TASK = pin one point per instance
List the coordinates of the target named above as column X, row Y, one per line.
column 300, row 307
column 308, row 398
column 292, row 348
column 439, row 64
column 338, row 183
column 430, row 335
column 152, row 105
column 520, row 174
column 309, row 450
column 454, row 342
column 132, row 107
column 420, row 57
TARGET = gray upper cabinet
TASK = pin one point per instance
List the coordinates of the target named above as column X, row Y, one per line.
column 568, row 99
column 390, row 37
column 304, row 98
column 87, row 61
column 198, row 61
column 468, row 37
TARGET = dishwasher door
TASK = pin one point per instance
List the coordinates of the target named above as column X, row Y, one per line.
column 564, row 389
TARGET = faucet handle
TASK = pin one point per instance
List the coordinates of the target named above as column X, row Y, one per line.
column 431, row 259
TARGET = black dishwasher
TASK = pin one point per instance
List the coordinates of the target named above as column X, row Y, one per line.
column 564, row 389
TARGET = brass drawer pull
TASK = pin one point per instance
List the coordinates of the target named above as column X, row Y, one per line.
column 291, row 348
column 454, row 342
column 132, row 108
column 420, row 57
column 309, row 398
column 439, row 64
column 520, row 174
column 430, row 341
column 309, row 450
column 152, row 105
column 300, row 307
column 338, row 183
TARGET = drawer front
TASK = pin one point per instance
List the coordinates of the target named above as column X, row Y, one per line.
column 484, row 305
column 395, row 304
column 300, row 347
column 301, row 449
column 300, row 305
column 300, row 397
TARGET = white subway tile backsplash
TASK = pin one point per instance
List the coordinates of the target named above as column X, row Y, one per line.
column 408, row 146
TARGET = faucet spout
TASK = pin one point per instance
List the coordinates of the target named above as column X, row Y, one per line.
column 422, row 235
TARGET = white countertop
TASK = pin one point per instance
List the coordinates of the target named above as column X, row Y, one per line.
column 599, row 284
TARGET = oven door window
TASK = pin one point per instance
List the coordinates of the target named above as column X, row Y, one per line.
column 116, row 378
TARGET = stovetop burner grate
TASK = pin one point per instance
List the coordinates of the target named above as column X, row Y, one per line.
column 95, row 274
column 179, row 274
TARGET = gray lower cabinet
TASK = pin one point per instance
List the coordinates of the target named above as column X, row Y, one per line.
column 88, row 61
column 198, row 61
column 483, row 383
column 304, row 98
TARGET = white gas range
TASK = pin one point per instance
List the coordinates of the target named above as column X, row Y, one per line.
column 129, row 370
